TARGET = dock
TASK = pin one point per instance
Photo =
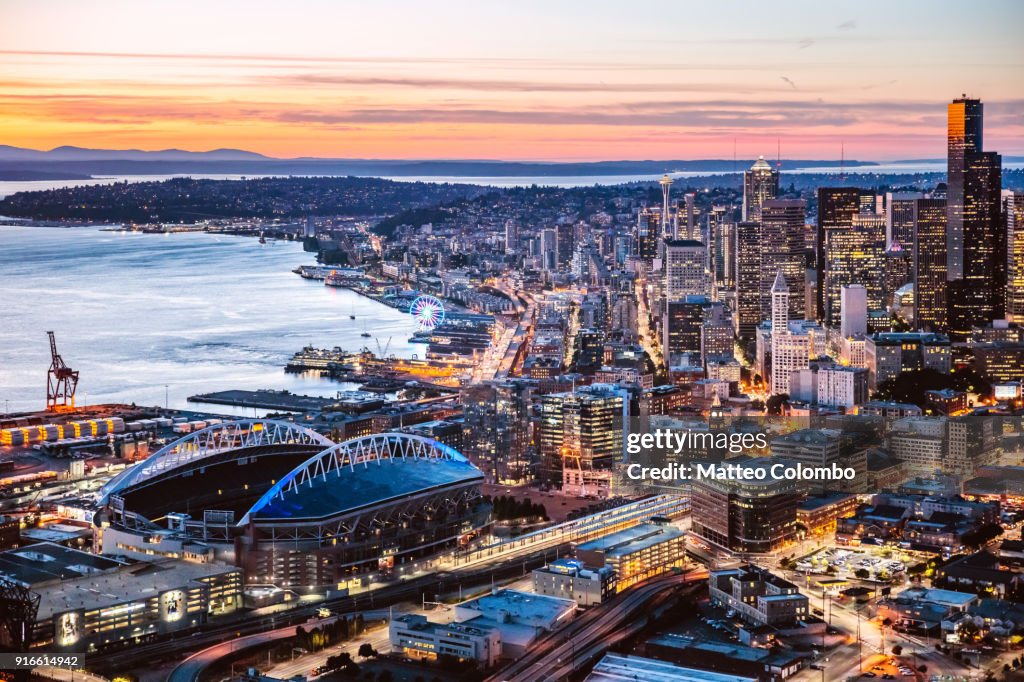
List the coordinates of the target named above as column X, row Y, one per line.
column 284, row 401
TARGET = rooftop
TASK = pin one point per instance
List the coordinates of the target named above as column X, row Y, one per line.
column 619, row 668
column 518, row 608
column 632, row 540
column 368, row 485
column 47, row 561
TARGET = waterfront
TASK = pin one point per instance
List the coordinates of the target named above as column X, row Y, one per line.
column 195, row 312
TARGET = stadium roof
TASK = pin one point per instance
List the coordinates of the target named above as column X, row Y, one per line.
column 365, row 485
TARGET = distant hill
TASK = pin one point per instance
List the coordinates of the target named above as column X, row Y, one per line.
column 78, row 161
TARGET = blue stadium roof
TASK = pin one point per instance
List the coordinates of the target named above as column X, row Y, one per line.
column 365, row 485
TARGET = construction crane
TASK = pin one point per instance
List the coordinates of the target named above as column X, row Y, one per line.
column 61, row 382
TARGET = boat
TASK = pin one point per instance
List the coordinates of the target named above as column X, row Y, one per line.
column 365, row 335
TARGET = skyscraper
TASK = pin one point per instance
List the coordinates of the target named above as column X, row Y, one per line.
column 854, row 256
column 581, row 431
column 929, row 264
column 748, row 279
column 836, row 208
column 685, row 269
column 1015, row 257
column 899, row 217
column 975, row 236
column 647, row 232
column 782, row 250
column 760, row 183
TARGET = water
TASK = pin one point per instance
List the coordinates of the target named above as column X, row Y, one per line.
column 10, row 187
column 195, row 312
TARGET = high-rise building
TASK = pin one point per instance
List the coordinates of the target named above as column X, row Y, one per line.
column 721, row 246
column 685, row 269
column 687, row 219
column 855, row 255
column 760, row 183
column 581, row 431
column 496, row 429
column 853, row 319
column 549, row 249
column 648, row 229
column 836, row 208
column 716, row 333
column 898, row 271
column 888, row 354
column 782, row 250
column 1014, row 209
column 748, row 279
column 929, row 264
column 899, row 217
column 975, row 236
column 682, row 326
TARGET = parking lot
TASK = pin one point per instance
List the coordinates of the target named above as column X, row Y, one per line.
column 882, row 564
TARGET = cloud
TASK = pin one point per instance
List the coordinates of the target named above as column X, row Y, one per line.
column 806, row 43
column 790, row 81
column 847, row 25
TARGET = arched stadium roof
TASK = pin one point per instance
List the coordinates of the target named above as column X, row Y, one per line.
column 362, row 472
column 208, row 442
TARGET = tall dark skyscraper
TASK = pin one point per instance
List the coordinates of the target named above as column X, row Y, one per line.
column 975, row 231
column 929, row 264
column 748, row 279
column 836, row 208
column 782, row 250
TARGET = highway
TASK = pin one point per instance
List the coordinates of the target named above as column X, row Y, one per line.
column 559, row 655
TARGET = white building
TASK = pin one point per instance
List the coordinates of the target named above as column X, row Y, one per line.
column 415, row 637
column 842, row 386
column 569, row 579
column 792, row 345
column 685, row 269
column 853, row 316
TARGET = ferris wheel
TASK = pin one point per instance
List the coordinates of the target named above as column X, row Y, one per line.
column 428, row 312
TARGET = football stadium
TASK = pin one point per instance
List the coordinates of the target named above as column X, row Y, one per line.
column 292, row 508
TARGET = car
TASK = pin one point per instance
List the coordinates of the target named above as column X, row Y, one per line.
column 869, row 674
column 887, row 676
column 909, row 673
column 815, row 666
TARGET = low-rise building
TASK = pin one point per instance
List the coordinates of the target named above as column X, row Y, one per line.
column 570, row 579
column 414, row 637
column 521, row 618
column 622, row 668
column 820, row 513
column 88, row 602
column 637, row 553
column 758, row 596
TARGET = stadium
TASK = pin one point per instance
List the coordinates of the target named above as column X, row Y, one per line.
column 292, row 508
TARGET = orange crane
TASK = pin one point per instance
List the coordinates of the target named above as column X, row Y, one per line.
column 61, row 382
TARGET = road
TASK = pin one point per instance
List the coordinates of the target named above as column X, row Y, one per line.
column 190, row 669
column 558, row 655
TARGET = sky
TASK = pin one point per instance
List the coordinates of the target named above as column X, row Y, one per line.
column 554, row 80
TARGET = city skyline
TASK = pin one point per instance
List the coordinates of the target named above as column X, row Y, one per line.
column 677, row 81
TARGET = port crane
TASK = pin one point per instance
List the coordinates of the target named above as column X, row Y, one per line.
column 61, row 382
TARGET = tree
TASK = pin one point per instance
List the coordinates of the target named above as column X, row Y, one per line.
column 777, row 403
column 862, row 573
column 897, row 650
column 366, row 650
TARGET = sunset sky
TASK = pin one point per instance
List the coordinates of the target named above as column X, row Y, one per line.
column 552, row 80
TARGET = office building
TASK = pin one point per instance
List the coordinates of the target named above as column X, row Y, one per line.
column 853, row 318
column 760, row 184
column 521, row 618
column 1014, row 209
column 416, row 638
column 683, row 325
column 748, row 279
column 648, row 230
column 636, row 554
column 929, row 264
column 782, row 250
column 496, row 429
column 786, row 346
column 890, row 353
column 854, row 255
column 836, row 208
column 899, row 217
column 840, row 386
column 685, row 269
column 581, row 437
column 744, row 515
column 975, row 232
column 570, row 579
